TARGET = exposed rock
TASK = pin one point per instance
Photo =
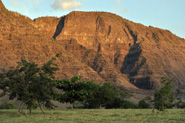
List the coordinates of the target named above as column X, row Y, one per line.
column 98, row 45
column 144, row 54
column 2, row 5
column 20, row 38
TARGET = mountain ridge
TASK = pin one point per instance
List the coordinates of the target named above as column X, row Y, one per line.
column 101, row 46
column 2, row 5
column 96, row 30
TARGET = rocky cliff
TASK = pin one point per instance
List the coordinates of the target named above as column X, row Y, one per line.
column 143, row 54
column 98, row 45
column 20, row 37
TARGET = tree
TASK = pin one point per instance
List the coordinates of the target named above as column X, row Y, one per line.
column 107, row 96
column 163, row 97
column 94, row 97
column 30, row 84
column 73, row 90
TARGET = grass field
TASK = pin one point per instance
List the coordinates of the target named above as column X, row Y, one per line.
column 94, row 116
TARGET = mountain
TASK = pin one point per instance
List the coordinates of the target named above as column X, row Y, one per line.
column 143, row 54
column 2, row 7
column 100, row 46
column 20, row 38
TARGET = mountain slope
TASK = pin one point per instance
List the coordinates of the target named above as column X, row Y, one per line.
column 98, row 45
column 21, row 38
column 143, row 54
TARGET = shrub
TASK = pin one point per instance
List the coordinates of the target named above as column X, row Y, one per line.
column 180, row 104
column 6, row 105
column 143, row 105
column 128, row 105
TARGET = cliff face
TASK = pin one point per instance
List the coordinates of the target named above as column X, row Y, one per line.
column 20, row 37
column 98, row 45
column 143, row 54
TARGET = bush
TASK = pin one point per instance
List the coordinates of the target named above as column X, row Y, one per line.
column 143, row 105
column 128, row 105
column 180, row 104
column 6, row 105
column 107, row 95
column 116, row 104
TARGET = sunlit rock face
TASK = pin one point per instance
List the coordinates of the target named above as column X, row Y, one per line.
column 143, row 54
column 98, row 45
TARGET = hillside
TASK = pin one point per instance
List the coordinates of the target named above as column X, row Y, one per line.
column 143, row 54
column 98, row 45
column 20, row 38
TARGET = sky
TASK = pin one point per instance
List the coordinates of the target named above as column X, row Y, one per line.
column 164, row 14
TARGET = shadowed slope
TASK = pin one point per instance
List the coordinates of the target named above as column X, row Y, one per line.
column 143, row 54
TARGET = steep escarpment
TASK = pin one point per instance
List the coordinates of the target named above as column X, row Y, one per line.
column 20, row 37
column 100, row 46
column 141, row 54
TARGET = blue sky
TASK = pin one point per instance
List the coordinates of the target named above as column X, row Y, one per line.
column 165, row 14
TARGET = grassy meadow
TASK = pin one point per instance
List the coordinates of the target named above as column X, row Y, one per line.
column 94, row 116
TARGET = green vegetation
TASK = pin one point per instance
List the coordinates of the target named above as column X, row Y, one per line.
column 73, row 90
column 30, row 84
column 95, row 116
column 6, row 105
column 164, row 97
column 36, row 86
column 143, row 104
column 180, row 94
column 107, row 96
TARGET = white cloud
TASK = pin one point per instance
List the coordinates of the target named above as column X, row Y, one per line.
column 66, row 4
column 15, row 3
column 118, row 2
column 121, row 11
column 36, row 3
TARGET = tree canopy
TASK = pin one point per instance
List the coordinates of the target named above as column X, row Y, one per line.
column 163, row 98
column 73, row 90
column 30, row 84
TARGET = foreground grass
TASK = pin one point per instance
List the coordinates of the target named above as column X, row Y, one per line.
column 94, row 115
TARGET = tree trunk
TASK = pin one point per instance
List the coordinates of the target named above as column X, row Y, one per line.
column 30, row 110
column 98, row 107
column 162, row 105
column 41, row 108
column 71, row 106
column 26, row 111
column 20, row 107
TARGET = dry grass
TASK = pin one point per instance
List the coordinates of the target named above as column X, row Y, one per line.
column 101, row 115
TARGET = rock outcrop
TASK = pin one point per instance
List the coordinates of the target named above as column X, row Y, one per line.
column 21, row 38
column 98, row 45
column 143, row 54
